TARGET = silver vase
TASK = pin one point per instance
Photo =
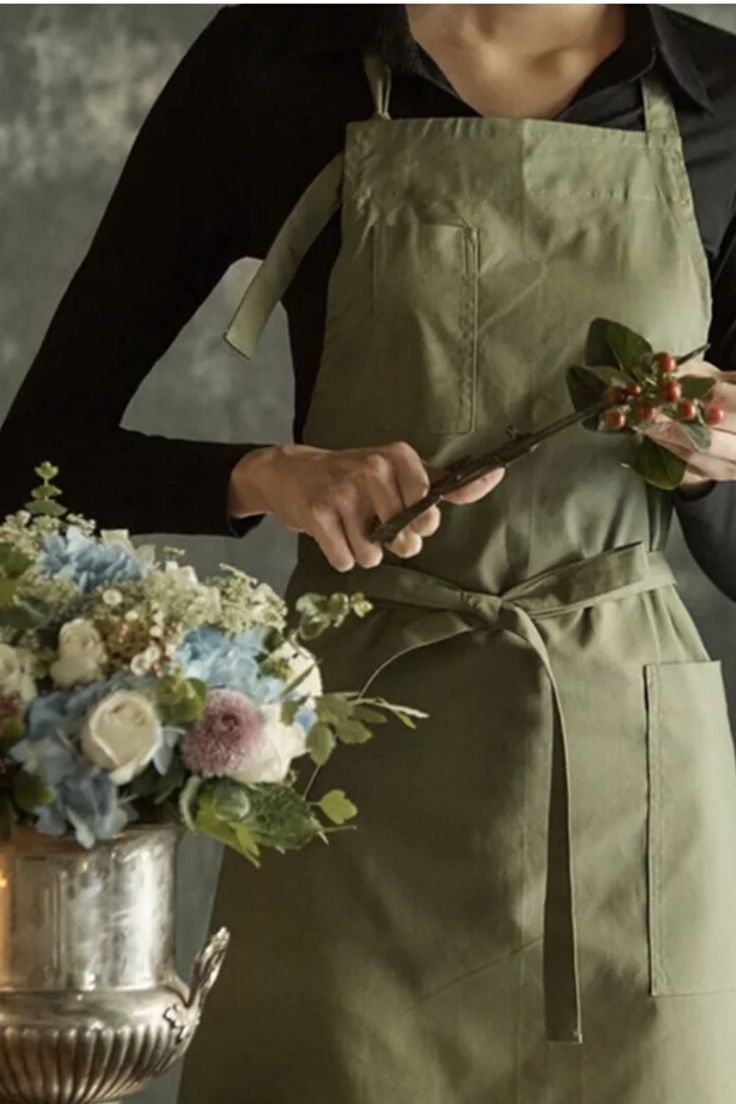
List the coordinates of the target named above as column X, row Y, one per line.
column 91, row 1008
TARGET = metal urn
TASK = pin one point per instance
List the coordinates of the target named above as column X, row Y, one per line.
column 91, row 1008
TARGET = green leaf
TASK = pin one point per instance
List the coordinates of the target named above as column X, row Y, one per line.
column 180, row 700
column 13, row 562
column 699, row 435
column 8, row 587
column 696, row 387
column 353, row 732
column 585, row 388
column 657, row 465
column 280, row 816
column 333, row 708
column 29, row 792
column 166, row 784
column 11, row 732
column 320, row 742
column 337, row 807
column 8, row 817
column 50, row 509
column 370, row 716
column 612, row 342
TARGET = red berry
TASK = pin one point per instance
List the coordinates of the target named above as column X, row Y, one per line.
column 714, row 414
column 687, row 409
column 615, row 419
column 647, row 412
column 666, row 363
column 671, row 390
column 616, row 395
column 633, row 388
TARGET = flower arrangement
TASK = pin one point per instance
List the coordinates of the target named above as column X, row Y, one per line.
column 642, row 386
column 131, row 690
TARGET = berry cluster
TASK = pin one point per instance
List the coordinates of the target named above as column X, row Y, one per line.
column 635, row 404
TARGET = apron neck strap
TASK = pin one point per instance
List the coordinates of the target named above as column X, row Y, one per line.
column 378, row 72
column 659, row 111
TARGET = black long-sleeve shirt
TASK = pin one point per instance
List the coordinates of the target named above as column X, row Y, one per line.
column 252, row 112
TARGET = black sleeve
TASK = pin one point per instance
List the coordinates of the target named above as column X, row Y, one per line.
column 709, row 522
column 173, row 225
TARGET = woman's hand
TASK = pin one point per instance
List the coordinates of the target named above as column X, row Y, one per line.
column 333, row 494
column 718, row 463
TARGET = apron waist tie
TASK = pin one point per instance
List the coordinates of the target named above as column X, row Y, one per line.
column 612, row 574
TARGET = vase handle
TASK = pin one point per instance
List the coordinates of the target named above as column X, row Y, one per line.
column 206, row 969
column 183, row 1018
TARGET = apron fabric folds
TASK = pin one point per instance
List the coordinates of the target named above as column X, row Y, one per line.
column 538, row 906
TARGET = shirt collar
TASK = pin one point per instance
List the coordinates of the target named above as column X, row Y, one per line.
column 320, row 27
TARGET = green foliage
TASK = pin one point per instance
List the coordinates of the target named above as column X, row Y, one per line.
column 658, row 466
column 696, row 387
column 180, row 700
column 319, row 612
column 29, row 792
column 615, row 356
column 42, row 497
column 610, row 342
column 337, row 807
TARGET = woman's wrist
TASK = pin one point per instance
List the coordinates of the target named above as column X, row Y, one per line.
column 246, row 493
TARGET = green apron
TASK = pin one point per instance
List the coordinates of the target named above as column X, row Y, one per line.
column 549, row 858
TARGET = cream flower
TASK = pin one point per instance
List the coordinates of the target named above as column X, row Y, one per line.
column 15, row 673
column 122, row 735
column 82, row 654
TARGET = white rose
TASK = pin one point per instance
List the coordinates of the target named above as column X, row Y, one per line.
column 15, row 673
column 279, row 744
column 299, row 660
column 81, row 654
column 122, row 734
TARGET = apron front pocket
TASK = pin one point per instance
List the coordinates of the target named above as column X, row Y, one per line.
column 691, row 829
column 425, row 286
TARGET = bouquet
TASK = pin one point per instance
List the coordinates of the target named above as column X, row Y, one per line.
column 131, row 690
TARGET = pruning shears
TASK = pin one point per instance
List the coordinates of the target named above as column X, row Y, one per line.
column 468, row 468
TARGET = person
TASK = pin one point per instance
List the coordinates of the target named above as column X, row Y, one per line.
column 538, row 904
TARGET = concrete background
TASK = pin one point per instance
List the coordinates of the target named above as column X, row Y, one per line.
column 75, row 83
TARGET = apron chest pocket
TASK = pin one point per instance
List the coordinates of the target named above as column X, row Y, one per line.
column 691, row 829
column 425, row 284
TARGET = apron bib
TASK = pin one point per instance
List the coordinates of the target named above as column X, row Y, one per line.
column 549, row 857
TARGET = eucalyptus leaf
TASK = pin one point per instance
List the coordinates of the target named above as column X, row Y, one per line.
column 699, row 435
column 337, row 807
column 657, row 465
column 612, row 342
column 585, row 388
column 696, row 387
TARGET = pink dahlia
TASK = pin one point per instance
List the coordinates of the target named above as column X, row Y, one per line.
column 227, row 737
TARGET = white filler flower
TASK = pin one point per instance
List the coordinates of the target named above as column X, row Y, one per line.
column 122, row 734
column 81, row 654
column 15, row 673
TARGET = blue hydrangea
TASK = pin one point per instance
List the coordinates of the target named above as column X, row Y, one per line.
column 229, row 661
column 89, row 803
column 305, row 716
column 87, row 563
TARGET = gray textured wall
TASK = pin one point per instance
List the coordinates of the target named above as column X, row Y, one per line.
column 75, row 83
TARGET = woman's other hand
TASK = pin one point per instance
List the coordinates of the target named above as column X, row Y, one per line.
column 718, row 462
